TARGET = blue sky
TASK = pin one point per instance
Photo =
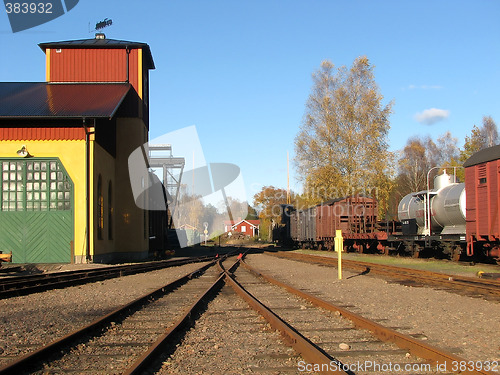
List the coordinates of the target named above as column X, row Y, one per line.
column 240, row 71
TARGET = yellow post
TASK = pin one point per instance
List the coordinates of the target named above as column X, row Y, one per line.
column 339, row 246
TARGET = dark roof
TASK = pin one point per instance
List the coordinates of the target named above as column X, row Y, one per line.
column 102, row 43
column 72, row 100
column 482, row 156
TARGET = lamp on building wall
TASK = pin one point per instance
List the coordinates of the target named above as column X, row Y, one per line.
column 23, row 152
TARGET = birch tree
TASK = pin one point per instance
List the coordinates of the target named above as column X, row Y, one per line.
column 420, row 156
column 342, row 146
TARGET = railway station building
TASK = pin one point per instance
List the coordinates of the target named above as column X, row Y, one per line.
column 65, row 193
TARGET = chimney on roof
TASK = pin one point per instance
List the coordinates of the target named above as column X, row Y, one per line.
column 100, row 36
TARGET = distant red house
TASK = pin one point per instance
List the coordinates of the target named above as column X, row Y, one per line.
column 248, row 227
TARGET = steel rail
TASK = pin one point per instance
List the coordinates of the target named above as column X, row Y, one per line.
column 7, row 282
column 487, row 287
column 96, row 326
column 24, row 285
column 309, row 351
column 403, row 341
column 150, row 355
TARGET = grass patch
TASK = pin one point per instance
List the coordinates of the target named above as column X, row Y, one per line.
column 435, row 265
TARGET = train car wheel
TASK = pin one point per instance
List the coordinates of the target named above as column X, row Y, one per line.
column 457, row 252
column 384, row 249
column 360, row 248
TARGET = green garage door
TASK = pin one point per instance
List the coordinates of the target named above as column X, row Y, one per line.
column 36, row 217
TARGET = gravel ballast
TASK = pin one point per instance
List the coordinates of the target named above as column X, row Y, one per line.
column 467, row 326
column 230, row 339
column 40, row 318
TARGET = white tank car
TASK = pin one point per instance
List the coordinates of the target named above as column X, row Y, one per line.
column 447, row 201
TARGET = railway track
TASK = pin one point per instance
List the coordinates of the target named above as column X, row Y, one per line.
column 127, row 339
column 23, row 285
column 321, row 335
column 142, row 336
column 487, row 288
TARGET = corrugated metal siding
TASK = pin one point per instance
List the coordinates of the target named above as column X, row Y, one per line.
column 294, row 217
column 94, row 65
column 45, row 134
column 306, row 225
column 102, row 44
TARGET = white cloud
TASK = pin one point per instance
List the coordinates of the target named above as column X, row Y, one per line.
column 432, row 115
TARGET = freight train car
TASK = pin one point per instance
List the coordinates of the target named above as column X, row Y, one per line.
column 356, row 216
column 303, row 226
column 452, row 219
column 482, row 184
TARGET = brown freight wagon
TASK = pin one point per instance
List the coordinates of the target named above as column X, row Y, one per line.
column 482, row 186
column 356, row 216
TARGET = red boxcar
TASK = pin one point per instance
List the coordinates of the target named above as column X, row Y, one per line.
column 356, row 216
column 482, row 202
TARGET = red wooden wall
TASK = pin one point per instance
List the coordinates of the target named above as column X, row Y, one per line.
column 94, row 65
column 482, row 201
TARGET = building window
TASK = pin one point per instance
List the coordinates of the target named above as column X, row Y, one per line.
column 110, row 211
column 100, row 209
column 243, row 228
column 482, row 181
column 34, row 185
column 12, row 186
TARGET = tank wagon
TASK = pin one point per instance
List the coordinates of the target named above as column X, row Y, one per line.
column 433, row 219
column 456, row 218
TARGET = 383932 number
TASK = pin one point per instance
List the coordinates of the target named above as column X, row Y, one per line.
column 25, row 8
column 475, row 366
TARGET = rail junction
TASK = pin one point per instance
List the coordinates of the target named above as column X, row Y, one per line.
column 142, row 335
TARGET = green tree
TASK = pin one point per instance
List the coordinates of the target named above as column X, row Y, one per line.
column 473, row 143
column 268, row 202
column 252, row 214
column 480, row 138
column 342, row 146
